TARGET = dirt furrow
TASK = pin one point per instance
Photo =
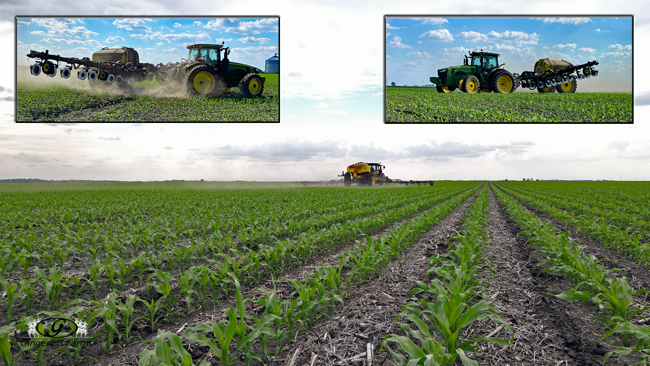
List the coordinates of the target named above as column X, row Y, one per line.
column 638, row 275
column 131, row 353
column 370, row 310
column 547, row 330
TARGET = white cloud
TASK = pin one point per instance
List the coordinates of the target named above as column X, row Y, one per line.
column 254, row 40
column 177, row 25
column 435, row 21
column 38, row 33
column 131, row 24
column 88, row 42
column 160, row 43
column 472, row 36
column 574, row 21
column 420, row 54
column 458, row 49
column 198, row 23
column 615, row 54
column 113, row 39
column 621, row 47
column 587, row 49
column 233, row 25
column 602, row 30
column 507, row 47
column 63, row 27
column 180, row 39
column 568, row 45
column 170, row 50
column 519, row 38
column 397, row 43
column 388, row 26
column 439, row 35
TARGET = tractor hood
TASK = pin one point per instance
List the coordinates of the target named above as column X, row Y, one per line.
column 244, row 66
column 456, row 67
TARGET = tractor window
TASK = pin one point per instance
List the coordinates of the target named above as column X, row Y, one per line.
column 489, row 62
column 476, row 60
column 213, row 56
column 195, row 54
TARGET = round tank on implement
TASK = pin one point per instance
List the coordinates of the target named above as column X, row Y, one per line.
column 546, row 64
column 273, row 65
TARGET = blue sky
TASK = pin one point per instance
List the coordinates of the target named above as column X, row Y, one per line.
column 252, row 40
column 417, row 47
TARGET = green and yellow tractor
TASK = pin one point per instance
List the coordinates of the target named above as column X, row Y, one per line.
column 206, row 71
column 480, row 72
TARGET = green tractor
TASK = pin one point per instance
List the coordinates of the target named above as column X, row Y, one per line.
column 480, row 72
column 206, row 72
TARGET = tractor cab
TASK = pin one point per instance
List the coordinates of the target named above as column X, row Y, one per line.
column 376, row 167
column 208, row 53
column 485, row 62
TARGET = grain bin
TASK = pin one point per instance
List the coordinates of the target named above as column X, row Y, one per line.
column 273, row 65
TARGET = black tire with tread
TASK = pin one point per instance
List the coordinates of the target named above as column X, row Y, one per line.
column 243, row 85
column 463, row 86
column 192, row 74
column 495, row 80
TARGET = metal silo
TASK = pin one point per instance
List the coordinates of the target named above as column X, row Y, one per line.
column 273, row 65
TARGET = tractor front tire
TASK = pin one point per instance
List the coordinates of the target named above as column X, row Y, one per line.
column 251, row 86
column 503, row 82
column 470, row 84
column 445, row 89
column 347, row 179
column 202, row 80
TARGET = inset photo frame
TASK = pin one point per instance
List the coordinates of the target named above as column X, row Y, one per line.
column 148, row 69
column 509, row 69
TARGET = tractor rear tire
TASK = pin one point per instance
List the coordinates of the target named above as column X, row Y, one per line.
column 503, row 82
column 251, row 86
column 470, row 84
column 570, row 88
column 202, row 80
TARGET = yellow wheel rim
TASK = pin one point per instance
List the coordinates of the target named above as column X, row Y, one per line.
column 460, row 84
column 254, row 86
column 203, row 82
column 472, row 86
column 504, row 84
column 546, row 90
column 567, row 87
column 445, row 89
column 46, row 67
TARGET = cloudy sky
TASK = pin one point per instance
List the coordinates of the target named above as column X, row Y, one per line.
column 331, row 108
column 252, row 40
column 417, row 47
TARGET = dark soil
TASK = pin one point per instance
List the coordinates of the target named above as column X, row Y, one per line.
column 548, row 330
column 370, row 310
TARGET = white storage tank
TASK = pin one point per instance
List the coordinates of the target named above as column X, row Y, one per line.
column 273, row 65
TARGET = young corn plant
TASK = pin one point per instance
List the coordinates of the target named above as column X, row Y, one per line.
column 5, row 344
column 52, row 285
column 163, row 287
column 169, row 353
column 11, row 293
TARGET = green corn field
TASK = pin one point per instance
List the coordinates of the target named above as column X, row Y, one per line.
column 80, row 103
column 426, row 105
column 202, row 273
